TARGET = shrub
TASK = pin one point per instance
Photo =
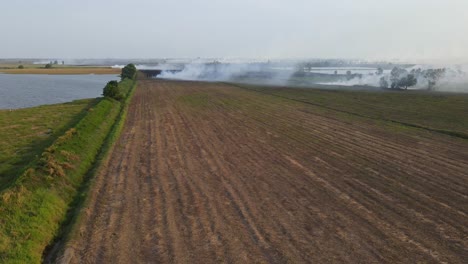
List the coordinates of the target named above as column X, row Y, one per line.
column 21, row 67
column 128, row 72
column 112, row 90
column 48, row 66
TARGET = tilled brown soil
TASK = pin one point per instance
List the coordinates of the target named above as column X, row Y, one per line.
column 209, row 173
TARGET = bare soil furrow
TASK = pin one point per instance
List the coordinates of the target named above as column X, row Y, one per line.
column 380, row 158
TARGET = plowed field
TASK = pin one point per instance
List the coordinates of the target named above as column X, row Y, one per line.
column 209, row 173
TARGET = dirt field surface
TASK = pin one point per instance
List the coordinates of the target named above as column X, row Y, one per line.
column 212, row 173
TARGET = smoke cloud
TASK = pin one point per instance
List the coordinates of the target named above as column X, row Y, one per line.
column 334, row 74
column 253, row 71
column 455, row 79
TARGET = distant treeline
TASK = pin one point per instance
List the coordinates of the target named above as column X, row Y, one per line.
column 119, row 91
column 400, row 78
column 346, row 63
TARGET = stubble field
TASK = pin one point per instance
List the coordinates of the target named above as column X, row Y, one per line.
column 209, row 173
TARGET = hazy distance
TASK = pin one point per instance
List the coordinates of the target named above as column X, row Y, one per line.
column 401, row 30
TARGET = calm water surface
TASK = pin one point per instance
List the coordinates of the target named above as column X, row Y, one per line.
column 27, row 90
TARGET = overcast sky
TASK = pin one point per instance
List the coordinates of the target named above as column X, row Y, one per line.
column 369, row 29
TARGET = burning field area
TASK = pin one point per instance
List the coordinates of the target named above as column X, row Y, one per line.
column 210, row 172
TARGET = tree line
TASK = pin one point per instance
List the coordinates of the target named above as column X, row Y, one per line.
column 112, row 88
column 401, row 78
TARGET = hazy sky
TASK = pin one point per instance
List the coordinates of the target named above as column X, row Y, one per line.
column 372, row 29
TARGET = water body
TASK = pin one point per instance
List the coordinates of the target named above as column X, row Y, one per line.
column 27, row 90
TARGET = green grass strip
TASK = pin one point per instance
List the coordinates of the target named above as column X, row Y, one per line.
column 70, row 229
column 33, row 208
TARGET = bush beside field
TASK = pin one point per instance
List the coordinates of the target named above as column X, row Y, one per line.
column 36, row 204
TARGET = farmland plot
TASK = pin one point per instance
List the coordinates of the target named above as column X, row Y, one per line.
column 208, row 173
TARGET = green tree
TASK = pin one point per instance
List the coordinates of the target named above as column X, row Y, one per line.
column 349, row 75
column 396, row 76
column 48, row 66
column 21, row 67
column 432, row 76
column 383, row 82
column 410, row 80
column 406, row 81
column 112, row 90
column 129, row 71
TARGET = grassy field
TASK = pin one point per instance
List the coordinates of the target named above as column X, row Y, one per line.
column 14, row 65
column 445, row 112
column 26, row 132
column 12, row 68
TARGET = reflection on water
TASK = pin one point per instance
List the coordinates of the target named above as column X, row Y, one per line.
column 26, row 90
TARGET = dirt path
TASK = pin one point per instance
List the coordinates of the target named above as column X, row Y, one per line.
column 209, row 173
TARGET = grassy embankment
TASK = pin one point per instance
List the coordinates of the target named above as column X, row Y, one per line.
column 35, row 204
column 27, row 132
column 441, row 112
column 71, row 228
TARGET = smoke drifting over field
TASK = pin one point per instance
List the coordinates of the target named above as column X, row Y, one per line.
column 308, row 74
column 272, row 73
column 455, row 78
column 321, row 73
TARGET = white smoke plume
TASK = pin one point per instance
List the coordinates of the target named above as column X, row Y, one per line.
column 303, row 73
column 265, row 72
column 455, row 79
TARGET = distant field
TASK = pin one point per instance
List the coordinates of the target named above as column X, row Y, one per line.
column 438, row 111
column 26, row 132
column 14, row 65
column 63, row 70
